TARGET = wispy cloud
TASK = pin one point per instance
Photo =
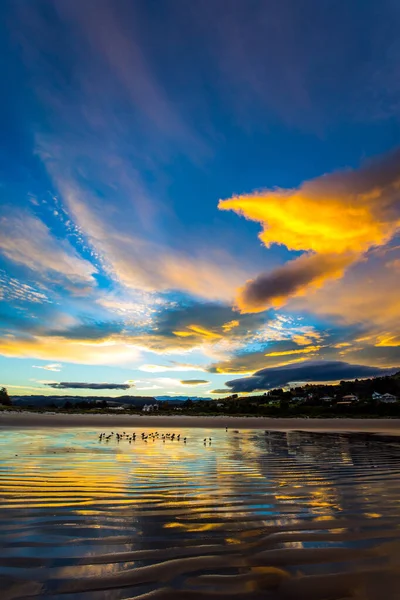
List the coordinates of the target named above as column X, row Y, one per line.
column 145, row 264
column 51, row 367
column 194, row 381
column 27, row 241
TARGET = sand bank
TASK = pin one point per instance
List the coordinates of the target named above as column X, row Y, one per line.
column 27, row 419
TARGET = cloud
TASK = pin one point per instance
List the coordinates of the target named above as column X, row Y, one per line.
column 305, row 371
column 335, row 219
column 293, row 279
column 149, row 368
column 199, row 325
column 194, row 381
column 368, row 294
column 282, row 341
column 12, row 290
column 27, row 241
column 144, row 264
column 114, row 39
column 51, row 367
column 114, row 350
column 96, row 152
column 64, row 385
column 207, row 321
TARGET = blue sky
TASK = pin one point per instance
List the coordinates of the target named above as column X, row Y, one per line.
column 197, row 191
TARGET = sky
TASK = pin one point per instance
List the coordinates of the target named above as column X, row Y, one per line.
column 198, row 198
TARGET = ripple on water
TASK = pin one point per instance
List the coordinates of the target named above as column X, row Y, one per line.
column 275, row 515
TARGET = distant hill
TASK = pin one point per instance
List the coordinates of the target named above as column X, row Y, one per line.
column 39, row 401
column 180, row 398
column 59, row 401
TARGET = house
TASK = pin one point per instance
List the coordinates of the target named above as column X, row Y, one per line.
column 350, row 398
column 376, row 396
column 326, row 398
column 150, row 407
column 388, row 398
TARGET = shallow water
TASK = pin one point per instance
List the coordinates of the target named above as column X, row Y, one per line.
column 248, row 515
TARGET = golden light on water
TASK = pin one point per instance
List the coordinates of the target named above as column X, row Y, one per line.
column 95, row 510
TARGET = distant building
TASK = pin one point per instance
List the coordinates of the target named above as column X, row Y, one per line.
column 149, row 407
column 298, row 399
column 388, row 398
column 326, row 398
column 350, row 398
column 376, row 396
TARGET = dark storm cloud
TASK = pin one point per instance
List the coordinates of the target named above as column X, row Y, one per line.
column 305, row 371
column 65, row 385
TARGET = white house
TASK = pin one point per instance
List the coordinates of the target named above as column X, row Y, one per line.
column 149, row 407
column 376, row 396
column 326, row 398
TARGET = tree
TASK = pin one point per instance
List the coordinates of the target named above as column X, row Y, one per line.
column 4, row 397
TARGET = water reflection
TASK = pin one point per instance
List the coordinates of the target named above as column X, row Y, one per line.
column 253, row 515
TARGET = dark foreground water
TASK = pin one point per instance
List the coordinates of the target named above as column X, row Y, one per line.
column 303, row 516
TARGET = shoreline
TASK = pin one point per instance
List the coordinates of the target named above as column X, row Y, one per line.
column 35, row 420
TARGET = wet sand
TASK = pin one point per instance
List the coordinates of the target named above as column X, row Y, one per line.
column 28, row 419
column 251, row 516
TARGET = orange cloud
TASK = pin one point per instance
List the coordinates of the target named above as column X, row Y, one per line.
column 388, row 341
column 293, row 279
column 336, row 219
column 230, row 325
column 196, row 330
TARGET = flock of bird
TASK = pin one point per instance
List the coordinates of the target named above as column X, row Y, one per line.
column 147, row 437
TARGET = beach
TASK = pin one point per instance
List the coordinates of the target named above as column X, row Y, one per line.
column 208, row 515
column 104, row 421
